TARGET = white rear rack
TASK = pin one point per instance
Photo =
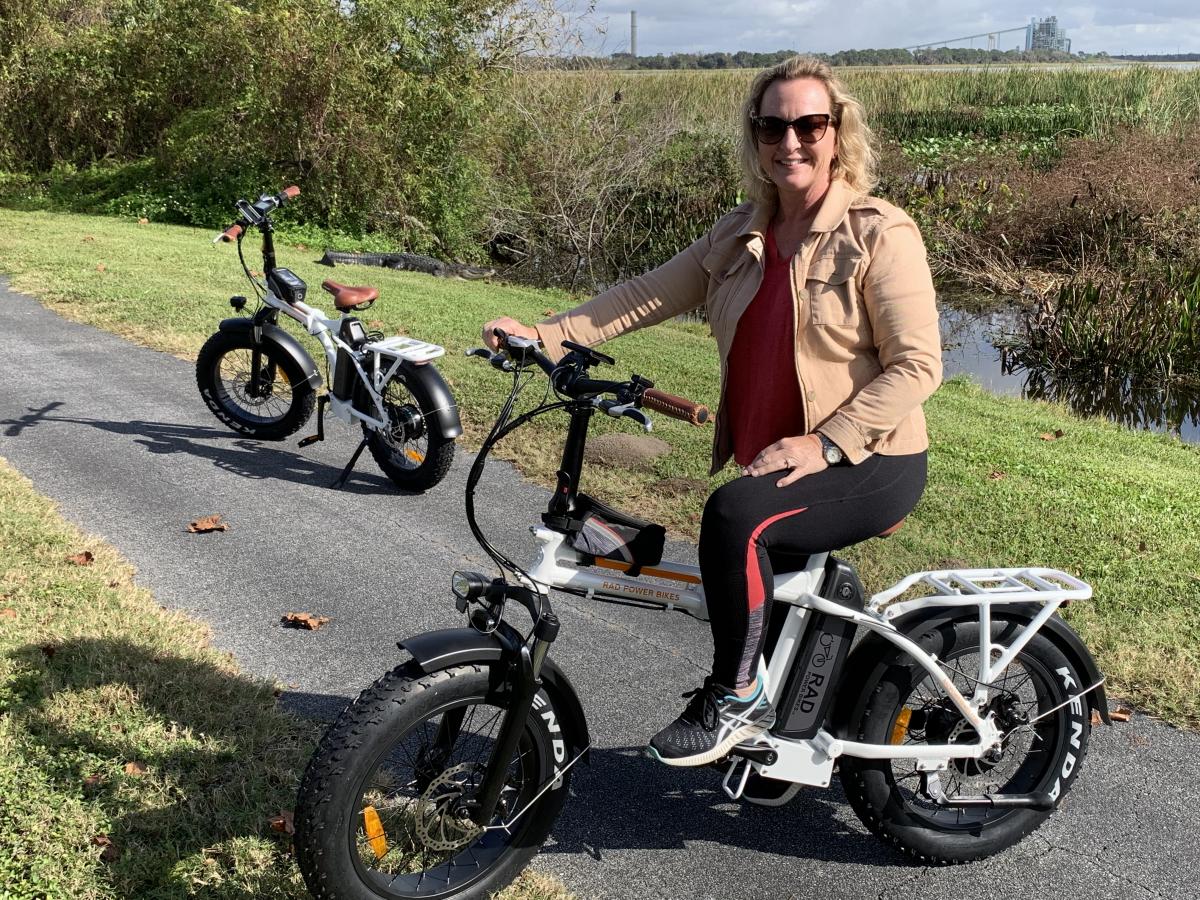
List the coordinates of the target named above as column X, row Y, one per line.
column 974, row 587
column 406, row 348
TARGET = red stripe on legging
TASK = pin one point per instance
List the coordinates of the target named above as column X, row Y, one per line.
column 755, row 589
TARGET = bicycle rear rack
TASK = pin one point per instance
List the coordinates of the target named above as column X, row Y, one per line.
column 973, row 587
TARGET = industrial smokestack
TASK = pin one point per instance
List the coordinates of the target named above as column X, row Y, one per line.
column 633, row 32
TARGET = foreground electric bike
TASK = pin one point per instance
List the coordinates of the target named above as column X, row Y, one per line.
column 958, row 722
column 259, row 380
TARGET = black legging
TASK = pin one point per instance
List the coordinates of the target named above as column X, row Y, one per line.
column 750, row 518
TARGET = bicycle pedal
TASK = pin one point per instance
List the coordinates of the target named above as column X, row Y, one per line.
column 311, row 439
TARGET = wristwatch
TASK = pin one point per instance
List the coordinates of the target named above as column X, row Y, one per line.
column 830, row 451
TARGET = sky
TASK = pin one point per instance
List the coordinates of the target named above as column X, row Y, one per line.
column 825, row 26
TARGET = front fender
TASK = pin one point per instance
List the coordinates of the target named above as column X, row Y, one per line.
column 437, row 650
column 272, row 333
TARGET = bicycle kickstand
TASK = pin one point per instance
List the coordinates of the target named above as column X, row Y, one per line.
column 322, row 402
column 341, row 479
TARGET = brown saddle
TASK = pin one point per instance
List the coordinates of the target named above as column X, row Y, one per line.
column 347, row 297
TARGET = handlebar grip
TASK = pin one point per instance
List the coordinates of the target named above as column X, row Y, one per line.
column 291, row 192
column 675, row 407
column 232, row 233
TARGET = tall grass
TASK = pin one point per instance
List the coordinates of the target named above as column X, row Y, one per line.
column 905, row 104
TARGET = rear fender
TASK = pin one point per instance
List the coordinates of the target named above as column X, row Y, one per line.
column 875, row 653
column 442, row 408
column 286, row 342
column 437, row 650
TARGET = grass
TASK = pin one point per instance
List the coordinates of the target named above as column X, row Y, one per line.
column 1120, row 508
column 135, row 759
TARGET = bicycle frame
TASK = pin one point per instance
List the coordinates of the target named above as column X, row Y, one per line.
column 558, row 565
column 396, row 349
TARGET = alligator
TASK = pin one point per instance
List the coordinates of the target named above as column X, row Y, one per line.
column 408, row 262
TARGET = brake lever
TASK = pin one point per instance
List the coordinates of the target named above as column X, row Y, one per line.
column 627, row 411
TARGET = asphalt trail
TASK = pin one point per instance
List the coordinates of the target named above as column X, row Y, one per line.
column 117, row 434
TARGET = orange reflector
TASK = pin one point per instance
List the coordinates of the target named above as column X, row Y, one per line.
column 415, row 456
column 374, row 829
column 900, row 729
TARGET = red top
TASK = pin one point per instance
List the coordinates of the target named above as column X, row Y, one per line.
column 762, row 394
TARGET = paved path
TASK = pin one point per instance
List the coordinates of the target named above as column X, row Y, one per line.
column 118, row 436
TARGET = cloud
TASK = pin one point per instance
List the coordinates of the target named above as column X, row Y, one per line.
column 679, row 26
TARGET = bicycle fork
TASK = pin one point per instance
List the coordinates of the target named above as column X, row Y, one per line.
column 524, row 674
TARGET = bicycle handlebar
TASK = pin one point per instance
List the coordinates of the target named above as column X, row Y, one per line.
column 256, row 213
column 516, row 352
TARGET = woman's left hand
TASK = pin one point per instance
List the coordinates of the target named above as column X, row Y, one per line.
column 802, row 455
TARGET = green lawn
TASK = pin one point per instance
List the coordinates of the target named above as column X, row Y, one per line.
column 1120, row 508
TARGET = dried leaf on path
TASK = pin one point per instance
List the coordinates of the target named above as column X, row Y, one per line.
column 135, row 768
column 84, row 558
column 205, row 524
column 303, row 620
column 283, row 823
column 1096, row 720
column 1121, row 714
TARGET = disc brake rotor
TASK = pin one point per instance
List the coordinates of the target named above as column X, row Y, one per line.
column 442, row 821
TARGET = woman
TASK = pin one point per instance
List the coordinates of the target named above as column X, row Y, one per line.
column 822, row 305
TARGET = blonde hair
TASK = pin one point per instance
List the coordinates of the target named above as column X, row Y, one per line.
column 856, row 159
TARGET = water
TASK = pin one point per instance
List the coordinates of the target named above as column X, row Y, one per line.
column 967, row 349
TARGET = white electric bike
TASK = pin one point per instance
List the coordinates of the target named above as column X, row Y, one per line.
column 958, row 722
column 259, row 380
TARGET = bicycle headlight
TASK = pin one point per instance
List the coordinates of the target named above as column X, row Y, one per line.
column 467, row 586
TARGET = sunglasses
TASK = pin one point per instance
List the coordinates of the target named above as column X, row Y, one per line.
column 809, row 129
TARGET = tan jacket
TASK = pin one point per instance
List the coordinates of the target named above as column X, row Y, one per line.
column 868, row 352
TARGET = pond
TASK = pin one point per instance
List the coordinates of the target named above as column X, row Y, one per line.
column 967, row 349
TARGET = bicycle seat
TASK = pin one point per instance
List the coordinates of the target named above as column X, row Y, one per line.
column 346, row 297
column 890, row 531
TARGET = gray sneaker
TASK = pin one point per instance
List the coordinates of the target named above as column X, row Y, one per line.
column 713, row 721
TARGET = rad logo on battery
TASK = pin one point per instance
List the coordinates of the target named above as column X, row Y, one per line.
column 808, row 698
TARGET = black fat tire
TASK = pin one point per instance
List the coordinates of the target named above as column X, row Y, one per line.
column 890, row 812
column 437, row 450
column 348, row 753
column 291, row 403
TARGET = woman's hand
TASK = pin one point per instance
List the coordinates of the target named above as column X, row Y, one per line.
column 508, row 326
column 802, row 455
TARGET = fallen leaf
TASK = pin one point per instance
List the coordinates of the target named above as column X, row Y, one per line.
column 205, row 524
column 1121, row 714
column 1142, row 548
column 92, row 782
column 283, row 822
column 303, row 620
column 113, row 584
column 8, row 613
column 547, row 312
column 84, row 558
column 143, row 221
column 110, row 853
column 302, row 246
column 49, row 650
column 1047, row 436
column 135, row 768
column 100, row 267
column 996, row 475
column 88, row 238
column 1096, row 720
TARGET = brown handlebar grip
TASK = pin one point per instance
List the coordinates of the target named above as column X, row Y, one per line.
column 231, row 233
column 675, row 407
column 291, row 192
